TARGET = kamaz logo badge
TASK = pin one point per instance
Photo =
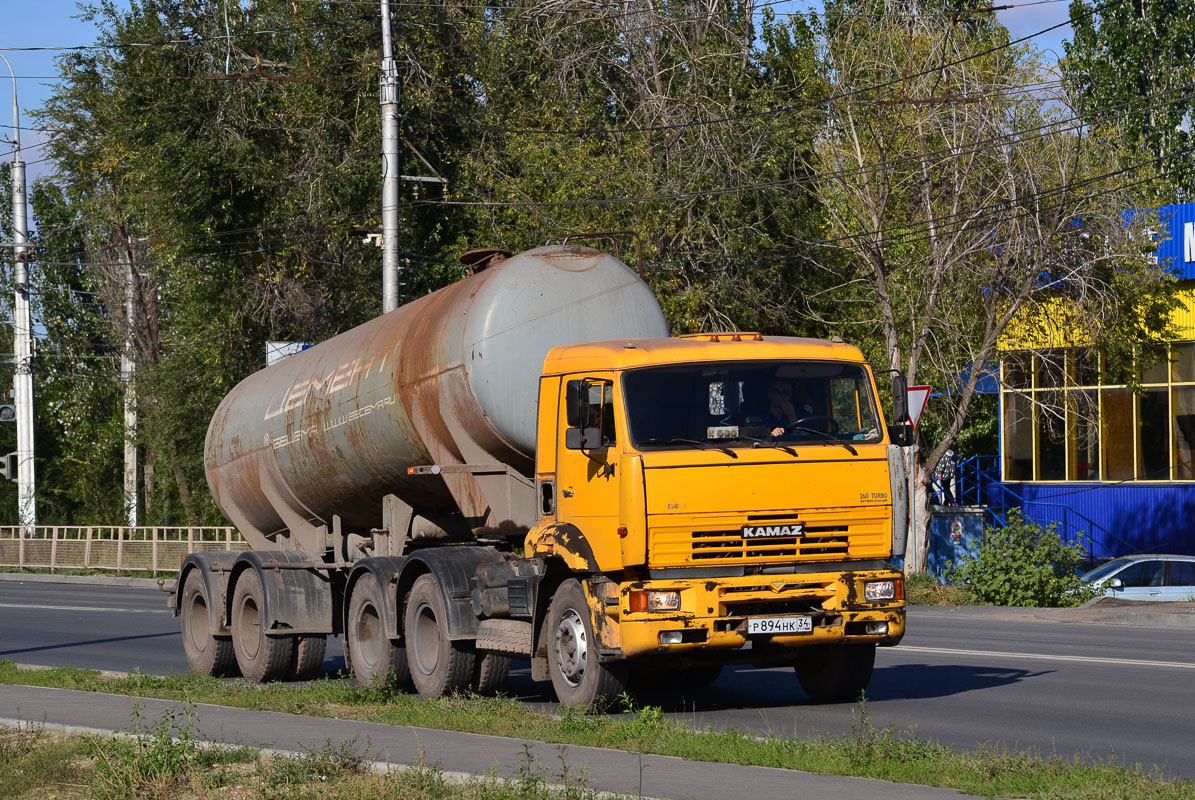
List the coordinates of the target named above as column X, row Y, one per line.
column 773, row 531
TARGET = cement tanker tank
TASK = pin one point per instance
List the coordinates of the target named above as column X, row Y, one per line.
column 319, row 444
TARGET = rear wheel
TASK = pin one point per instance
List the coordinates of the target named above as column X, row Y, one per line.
column 372, row 654
column 438, row 666
column 835, row 673
column 261, row 657
column 310, row 650
column 490, row 672
column 577, row 676
column 207, row 654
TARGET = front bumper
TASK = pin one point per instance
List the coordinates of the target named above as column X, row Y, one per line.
column 713, row 613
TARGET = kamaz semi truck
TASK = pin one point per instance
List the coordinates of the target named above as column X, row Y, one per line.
column 525, row 465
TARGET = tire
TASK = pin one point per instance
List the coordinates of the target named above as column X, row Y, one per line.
column 369, row 651
column 262, row 658
column 490, row 671
column 207, row 654
column 308, row 663
column 577, row 676
column 835, row 673
column 438, row 666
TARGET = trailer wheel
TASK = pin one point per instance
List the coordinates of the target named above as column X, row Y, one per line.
column 369, row 650
column 261, row 657
column 438, row 666
column 207, row 654
column 835, row 673
column 310, row 650
column 490, row 672
column 577, row 676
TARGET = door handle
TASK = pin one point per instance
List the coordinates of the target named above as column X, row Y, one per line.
column 566, row 492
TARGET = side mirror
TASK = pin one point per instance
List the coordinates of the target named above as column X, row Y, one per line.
column 576, row 400
column 901, row 435
column 900, row 399
column 1115, row 583
column 582, row 439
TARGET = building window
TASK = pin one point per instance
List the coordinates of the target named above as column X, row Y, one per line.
column 1061, row 423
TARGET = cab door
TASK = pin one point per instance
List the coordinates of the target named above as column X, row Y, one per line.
column 586, row 464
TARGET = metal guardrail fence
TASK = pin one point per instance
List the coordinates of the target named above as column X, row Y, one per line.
column 104, row 547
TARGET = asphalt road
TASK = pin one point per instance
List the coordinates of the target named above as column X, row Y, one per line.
column 967, row 678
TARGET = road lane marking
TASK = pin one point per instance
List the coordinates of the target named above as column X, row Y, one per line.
column 1132, row 662
column 89, row 608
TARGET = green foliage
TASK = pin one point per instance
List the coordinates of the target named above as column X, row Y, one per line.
column 146, row 764
column 32, row 760
column 1023, row 564
column 1130, row 66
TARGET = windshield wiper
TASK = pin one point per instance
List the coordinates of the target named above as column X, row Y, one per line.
column 829, row 437
column 694, row 443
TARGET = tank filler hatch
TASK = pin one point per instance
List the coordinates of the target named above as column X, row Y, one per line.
column 480, row 258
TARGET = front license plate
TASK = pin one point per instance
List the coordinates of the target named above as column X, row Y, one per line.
column 779, row 625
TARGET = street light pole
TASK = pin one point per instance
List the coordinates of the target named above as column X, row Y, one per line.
column 22, row 324
column 390, row 178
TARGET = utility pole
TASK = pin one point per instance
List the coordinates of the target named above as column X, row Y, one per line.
column 128, row 371
column 22, row 324
column 390, row 177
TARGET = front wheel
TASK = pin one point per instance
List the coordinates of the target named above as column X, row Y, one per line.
column 577, row 676
column 835, row 673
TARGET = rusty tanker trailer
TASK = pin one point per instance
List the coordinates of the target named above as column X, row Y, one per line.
column 343, row 462
column 524, row 465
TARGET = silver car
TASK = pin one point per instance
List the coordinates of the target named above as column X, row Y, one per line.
column 1146, row 577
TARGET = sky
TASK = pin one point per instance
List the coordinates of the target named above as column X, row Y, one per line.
column 53, row 23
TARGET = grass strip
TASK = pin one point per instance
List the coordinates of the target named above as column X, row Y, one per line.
column 165, row 760
column 866, row 751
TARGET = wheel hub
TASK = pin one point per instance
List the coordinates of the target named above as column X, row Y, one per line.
column 572, row 650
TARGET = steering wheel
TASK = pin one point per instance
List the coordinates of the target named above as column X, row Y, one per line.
column 817, row 422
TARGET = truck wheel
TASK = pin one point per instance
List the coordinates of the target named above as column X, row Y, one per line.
column 370, row 651
column 437, row 665
column 207, row 654
column 261, row 657
column 490, row 672
column 310, row 650
column 835, row 673
column 577, row 677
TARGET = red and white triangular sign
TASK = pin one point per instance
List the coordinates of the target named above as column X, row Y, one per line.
column 918, row 397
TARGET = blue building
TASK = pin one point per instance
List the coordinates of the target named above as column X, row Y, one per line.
column 1113, row 467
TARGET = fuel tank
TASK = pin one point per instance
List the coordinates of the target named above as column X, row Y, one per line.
column 449, row 379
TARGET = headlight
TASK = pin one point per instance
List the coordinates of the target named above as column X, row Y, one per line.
column 879, row 590
column 655, row 600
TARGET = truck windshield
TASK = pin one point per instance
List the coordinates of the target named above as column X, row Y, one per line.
column 746, row 404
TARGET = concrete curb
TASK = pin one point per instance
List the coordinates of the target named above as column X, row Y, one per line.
column 82, row 580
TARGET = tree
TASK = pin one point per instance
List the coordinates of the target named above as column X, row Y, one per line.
column 1132, row 61
column 969, row 208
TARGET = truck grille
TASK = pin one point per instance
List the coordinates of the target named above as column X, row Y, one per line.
column 715, row 542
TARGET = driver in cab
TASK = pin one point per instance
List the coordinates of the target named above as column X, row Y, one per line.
column 782, row 410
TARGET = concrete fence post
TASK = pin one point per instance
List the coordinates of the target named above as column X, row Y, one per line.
column 53, row 548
